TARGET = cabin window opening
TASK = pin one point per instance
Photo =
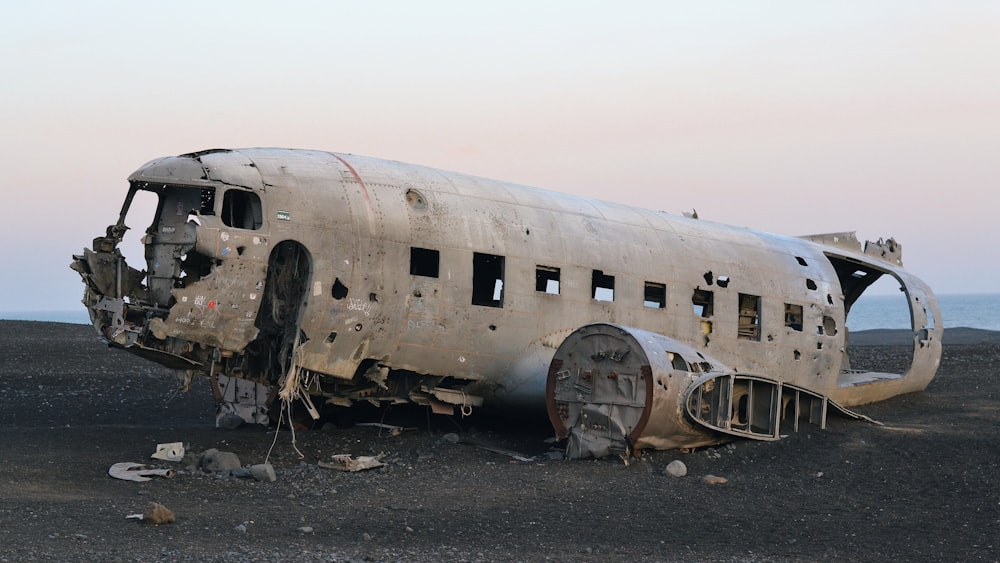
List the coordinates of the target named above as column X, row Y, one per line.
column 487, row 280
column 722, row 281
column 703, row 301
column 811, row 284
column 242, row 210
column 829, row 326
column 801, row 261
column 424, row 262
column 603, row 286
column 749, row 321
column 547, row 279
column 793, row 316
column 655, row 295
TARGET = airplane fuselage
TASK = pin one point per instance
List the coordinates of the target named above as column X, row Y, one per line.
column 390, row 281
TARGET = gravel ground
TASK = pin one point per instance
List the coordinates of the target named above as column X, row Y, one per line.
column 923, row 486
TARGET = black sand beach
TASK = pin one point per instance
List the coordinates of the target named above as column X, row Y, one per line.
column 922, row 486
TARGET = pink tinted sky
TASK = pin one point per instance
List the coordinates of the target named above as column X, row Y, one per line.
column 791, row 117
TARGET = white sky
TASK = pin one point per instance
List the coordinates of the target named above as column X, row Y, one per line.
column 791, row 117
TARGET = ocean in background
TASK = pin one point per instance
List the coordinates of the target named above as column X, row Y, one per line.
column 871, row 311
column 890, row 311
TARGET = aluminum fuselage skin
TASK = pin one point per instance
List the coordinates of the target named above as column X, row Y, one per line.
column 366, row 300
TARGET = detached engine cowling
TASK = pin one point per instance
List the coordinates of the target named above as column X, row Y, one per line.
column 614, row 389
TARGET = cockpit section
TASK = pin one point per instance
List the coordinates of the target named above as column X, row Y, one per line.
column 197, row 299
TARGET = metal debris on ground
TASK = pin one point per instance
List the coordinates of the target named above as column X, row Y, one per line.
column 129, row 471
column 393, row 430
column 345, row 462
column 173, row 451
column 456, row 439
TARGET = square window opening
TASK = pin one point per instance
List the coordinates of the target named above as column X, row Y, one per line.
column 749, row 322
column 793, row 316
column 424, row 262
column 655, row 295
column 547, row 279
column 487, row 280
column 603, row 286
column 703, row 301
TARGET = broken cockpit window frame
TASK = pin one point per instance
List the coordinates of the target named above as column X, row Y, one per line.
column 242, row 210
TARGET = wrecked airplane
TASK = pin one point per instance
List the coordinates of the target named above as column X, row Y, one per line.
column 317, row 277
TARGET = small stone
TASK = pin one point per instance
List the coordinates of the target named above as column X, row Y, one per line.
column 158, row 514
column 714, row 480
column 676, row 468
column 241, row 528
column 408, row 529
column 215, row 461
column 367, row 536
column 451, row 437
column 306, row 529
column 229, row 421
column 263, row 472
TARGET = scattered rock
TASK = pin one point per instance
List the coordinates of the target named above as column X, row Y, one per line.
column 263, row 472
column 158, row 514
column 451, row 437
column 306, row 529
column 218, row 462
column 241, row 528
column 714, row 480
column 229, row 421
column 190, row 460
column 552, row 455
column 676, row 468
